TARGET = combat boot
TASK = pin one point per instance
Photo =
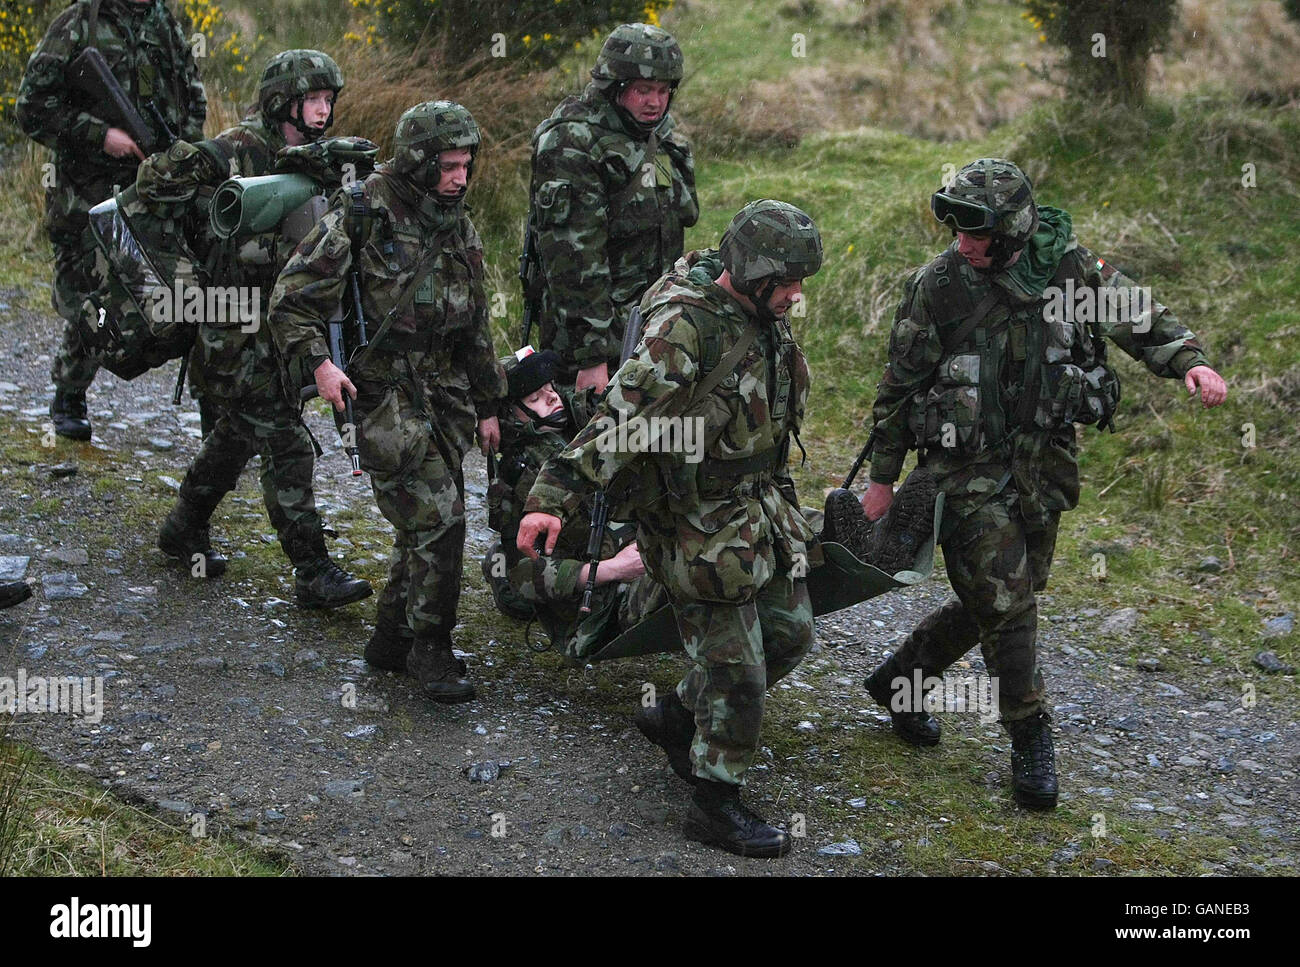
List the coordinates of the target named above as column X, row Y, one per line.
column 669, row 725
column 440, row 673
column 916, row 727
column 185, row 532
column 507, row 601
column 68, row 411
column 320, row 583
column 14, row 592
column 389, row 646
column 718, row 818
column 1033, row 762
column 906, row 526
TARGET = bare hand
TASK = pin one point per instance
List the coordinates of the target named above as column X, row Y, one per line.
column 1213, row 389
column 626, row 565
column 536, row 526
column 876, row 501
column 119, row 144
column 597, row 376
column 489, row 435
column 331, row 382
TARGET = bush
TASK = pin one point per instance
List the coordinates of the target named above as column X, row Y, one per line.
column 531, row 31
column 1107, row 42
column 21, row 27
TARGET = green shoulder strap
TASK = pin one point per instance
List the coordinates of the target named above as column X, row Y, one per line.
column 727, row 365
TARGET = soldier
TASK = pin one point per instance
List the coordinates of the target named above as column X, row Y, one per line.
column 150, row 57
column 428, row 376
column 988, row 372
column 537, row 421
column 723, row 534
column 613, row 190
column 239, row 371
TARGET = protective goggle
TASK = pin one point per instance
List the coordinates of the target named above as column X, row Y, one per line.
column 963, row 216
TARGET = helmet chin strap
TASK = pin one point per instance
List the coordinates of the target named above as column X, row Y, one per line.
column 760, row 294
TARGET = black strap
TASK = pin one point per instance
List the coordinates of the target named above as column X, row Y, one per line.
column 727, row 365
column 984, row 307
column 756, row 463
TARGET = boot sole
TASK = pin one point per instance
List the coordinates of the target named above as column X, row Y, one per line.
column 323, row 604
column 911, row 738
column 701, row 834
column 77, row 435
column 1033, row 802
column 182, row 560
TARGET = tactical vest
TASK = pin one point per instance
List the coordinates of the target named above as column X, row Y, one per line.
column 1018, row 371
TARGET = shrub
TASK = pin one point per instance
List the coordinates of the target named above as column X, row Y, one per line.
column 1107, row 42
column 531, row 31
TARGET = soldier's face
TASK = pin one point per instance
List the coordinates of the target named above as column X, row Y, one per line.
column 315, row 108
column 646, row 100
column 453, row 172
column 974, row 249
column 784, row 296
column 542, row 402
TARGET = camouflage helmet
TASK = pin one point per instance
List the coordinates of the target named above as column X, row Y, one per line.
column 989, row 196
column 290, row 74
column 638, row 52
column 426, row 130
column 770, row 239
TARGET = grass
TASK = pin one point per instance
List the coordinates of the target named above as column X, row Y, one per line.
column 71, row 826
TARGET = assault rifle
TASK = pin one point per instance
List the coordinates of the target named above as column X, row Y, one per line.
column 334, row 333
column 529, row 278
column 90, row 74
column 599, row 522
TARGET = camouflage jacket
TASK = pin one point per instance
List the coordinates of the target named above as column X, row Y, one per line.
column 711, row 529
column 151, row 59
column 606, row 228
column 964, row 406
column 437, row 353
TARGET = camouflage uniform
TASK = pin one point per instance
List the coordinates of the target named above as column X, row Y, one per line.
column 606, row 226
column 725, row 537
column 422, row 384
column 150, row 57
column 240, row 371
column 1005, row 460
column 552, row 584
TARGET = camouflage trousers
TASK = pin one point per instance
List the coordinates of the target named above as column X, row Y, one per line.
column 75, row 364
column 996, row 565
column 427, row 507
column 269, row 427
column 739, row 651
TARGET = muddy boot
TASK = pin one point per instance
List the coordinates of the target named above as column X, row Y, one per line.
column 718, row 818
column 669, row 725
column 846, row 524
column 68, row 411
column 185, row 533
column 320, row 583
column 440, row 673
column 916, row 727
column 389, row 646
column 14, row 592
column 507, row 601
column 906, row 527
column 1033, row 762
